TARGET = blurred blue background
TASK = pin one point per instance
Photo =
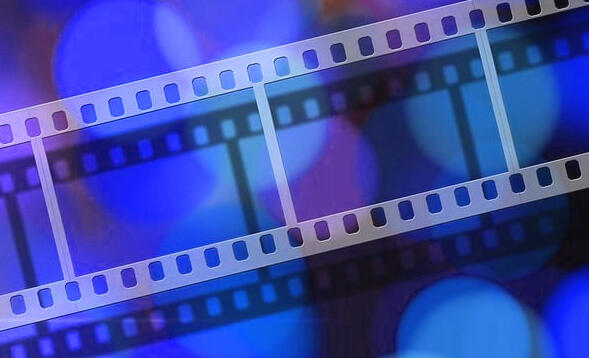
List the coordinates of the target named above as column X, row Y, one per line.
column 516, row 306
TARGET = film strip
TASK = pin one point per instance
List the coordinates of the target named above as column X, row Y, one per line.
column 296, row 240
column 321, row 282
column 344, row 229
column 258, row 68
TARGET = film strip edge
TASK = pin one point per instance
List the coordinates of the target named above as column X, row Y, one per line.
column 287, row 243
column 234, row 74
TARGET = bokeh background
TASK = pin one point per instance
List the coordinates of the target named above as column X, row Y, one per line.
column 514, row 283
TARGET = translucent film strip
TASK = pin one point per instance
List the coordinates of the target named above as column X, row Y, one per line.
column 256, row 83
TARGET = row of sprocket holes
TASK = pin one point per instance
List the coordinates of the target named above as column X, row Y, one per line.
column 240, row 297
column 214, row 305
column 281, row 67
column 505, row 59
column 338, row 55
column 295, row 237
column 535, row 55
column 173, row 141
column 434, row 205
column 156, row 320
column 423, row 82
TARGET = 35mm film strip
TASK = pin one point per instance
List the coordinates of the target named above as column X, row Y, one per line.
column 321, row 282
column 297, row 239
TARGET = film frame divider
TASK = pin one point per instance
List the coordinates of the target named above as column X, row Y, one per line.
column 271, row 141
column 497, row 100
column 47, row 186
column 340, row 238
